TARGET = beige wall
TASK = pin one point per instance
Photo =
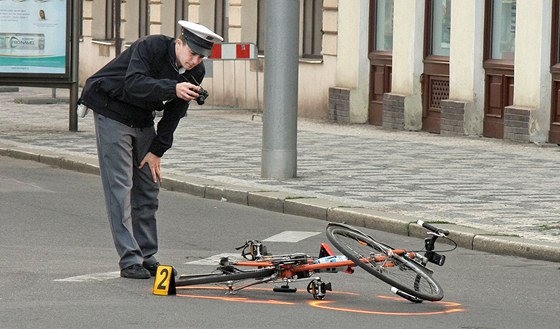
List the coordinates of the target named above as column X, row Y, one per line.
column 532, row 64
column 408, row 64
column 233, row 83
column 352, row 63
column 466, row 72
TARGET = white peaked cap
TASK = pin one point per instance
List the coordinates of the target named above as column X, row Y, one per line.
column 199, row 38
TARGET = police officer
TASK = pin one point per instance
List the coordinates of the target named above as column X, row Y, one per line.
column 155, row 73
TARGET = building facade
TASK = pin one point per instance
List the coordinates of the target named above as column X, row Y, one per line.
column 479, row 67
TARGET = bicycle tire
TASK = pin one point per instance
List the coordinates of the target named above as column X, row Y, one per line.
column 404, row 273
column 225, row 277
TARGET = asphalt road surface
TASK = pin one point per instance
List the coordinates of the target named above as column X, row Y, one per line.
column 59, row 269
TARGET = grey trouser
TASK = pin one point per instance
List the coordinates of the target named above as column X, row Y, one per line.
column 130, row 192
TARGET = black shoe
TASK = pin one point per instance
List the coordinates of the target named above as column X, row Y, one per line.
column 135, row 271
column 153, row 268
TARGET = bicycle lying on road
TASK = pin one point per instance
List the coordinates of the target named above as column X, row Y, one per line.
column 405, row 271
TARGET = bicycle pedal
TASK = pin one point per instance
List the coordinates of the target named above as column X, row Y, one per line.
column 327, row 286
column 284, row 289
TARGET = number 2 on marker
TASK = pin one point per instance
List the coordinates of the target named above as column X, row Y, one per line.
column 163, row 284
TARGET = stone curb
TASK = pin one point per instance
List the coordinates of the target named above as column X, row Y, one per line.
column 327, row 210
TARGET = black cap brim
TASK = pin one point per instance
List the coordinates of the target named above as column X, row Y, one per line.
column 197, row 44
column 199, row 50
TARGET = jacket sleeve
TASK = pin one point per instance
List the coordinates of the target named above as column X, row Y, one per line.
column 172, row 114
column 138, row 81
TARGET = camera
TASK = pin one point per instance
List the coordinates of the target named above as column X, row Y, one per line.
column 202, row 95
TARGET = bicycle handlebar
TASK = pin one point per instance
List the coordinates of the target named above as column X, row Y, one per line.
column 432, row 228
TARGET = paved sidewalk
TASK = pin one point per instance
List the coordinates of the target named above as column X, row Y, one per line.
column 356, row 173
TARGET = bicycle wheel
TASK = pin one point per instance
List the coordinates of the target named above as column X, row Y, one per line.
column 398, row 271
column 224, row 277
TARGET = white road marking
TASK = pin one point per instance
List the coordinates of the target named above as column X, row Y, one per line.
column 286, row 236
column 8, row 184
column 92, row 277
column 291, row 236
column 214, row 260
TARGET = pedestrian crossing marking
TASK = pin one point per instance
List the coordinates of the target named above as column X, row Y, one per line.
column 213, row 260
column 91, row 277
column 286, row 236
column 291, row 236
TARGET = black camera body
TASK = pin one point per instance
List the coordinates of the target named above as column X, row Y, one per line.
column 202, row 95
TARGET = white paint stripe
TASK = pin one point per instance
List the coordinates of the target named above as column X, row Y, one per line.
column 214, row 260
column 229, row 51
column 286, row 236
column 253, row 52
column 92, row 277
column 291, row 236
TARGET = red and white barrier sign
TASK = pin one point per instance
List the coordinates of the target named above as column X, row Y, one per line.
column 233, row 51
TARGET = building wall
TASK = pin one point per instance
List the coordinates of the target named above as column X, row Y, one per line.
column 407, row 59
column 532, row 65
column 336, row 86
column 466, row 74
column 230, row 83
column 528, row 119
column 352, row 63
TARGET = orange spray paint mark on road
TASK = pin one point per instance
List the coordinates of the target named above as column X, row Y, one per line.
column 446, row 307
column 325, row 304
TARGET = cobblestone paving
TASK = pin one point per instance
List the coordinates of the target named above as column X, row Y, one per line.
column 484, row 183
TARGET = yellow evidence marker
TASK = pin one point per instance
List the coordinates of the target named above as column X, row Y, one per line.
column 164, row 284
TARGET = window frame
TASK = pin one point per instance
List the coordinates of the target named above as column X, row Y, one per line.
column 221, row 20
column 103, row 12
column 181, row 13
column 312, row 31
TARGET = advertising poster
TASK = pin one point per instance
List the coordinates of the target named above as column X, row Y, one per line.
column 33, row 36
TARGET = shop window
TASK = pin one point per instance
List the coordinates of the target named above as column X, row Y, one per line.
column 384, row 25
column 441, row 27
column 503, row 29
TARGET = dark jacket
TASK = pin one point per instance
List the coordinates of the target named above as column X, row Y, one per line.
column 140, row 80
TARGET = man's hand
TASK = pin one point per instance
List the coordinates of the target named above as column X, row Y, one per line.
column 153, row 162
column 187, row 91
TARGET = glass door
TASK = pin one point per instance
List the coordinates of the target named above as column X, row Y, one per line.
column 380, row 56
column 435, row 83
column 499, row 52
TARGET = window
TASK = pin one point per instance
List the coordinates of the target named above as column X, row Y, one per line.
column 503, row 29
column 102, row 15
column 181, row 13
column 144, row 21
column 312, row 28
column 137, row 20
column 441, row 27
column 221, row 22
column 556, row 30
column 312, row 42
column 384, row 25
column 261, row 26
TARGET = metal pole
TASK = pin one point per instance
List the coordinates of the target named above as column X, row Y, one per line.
column 75, row 46
column 279, row 147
